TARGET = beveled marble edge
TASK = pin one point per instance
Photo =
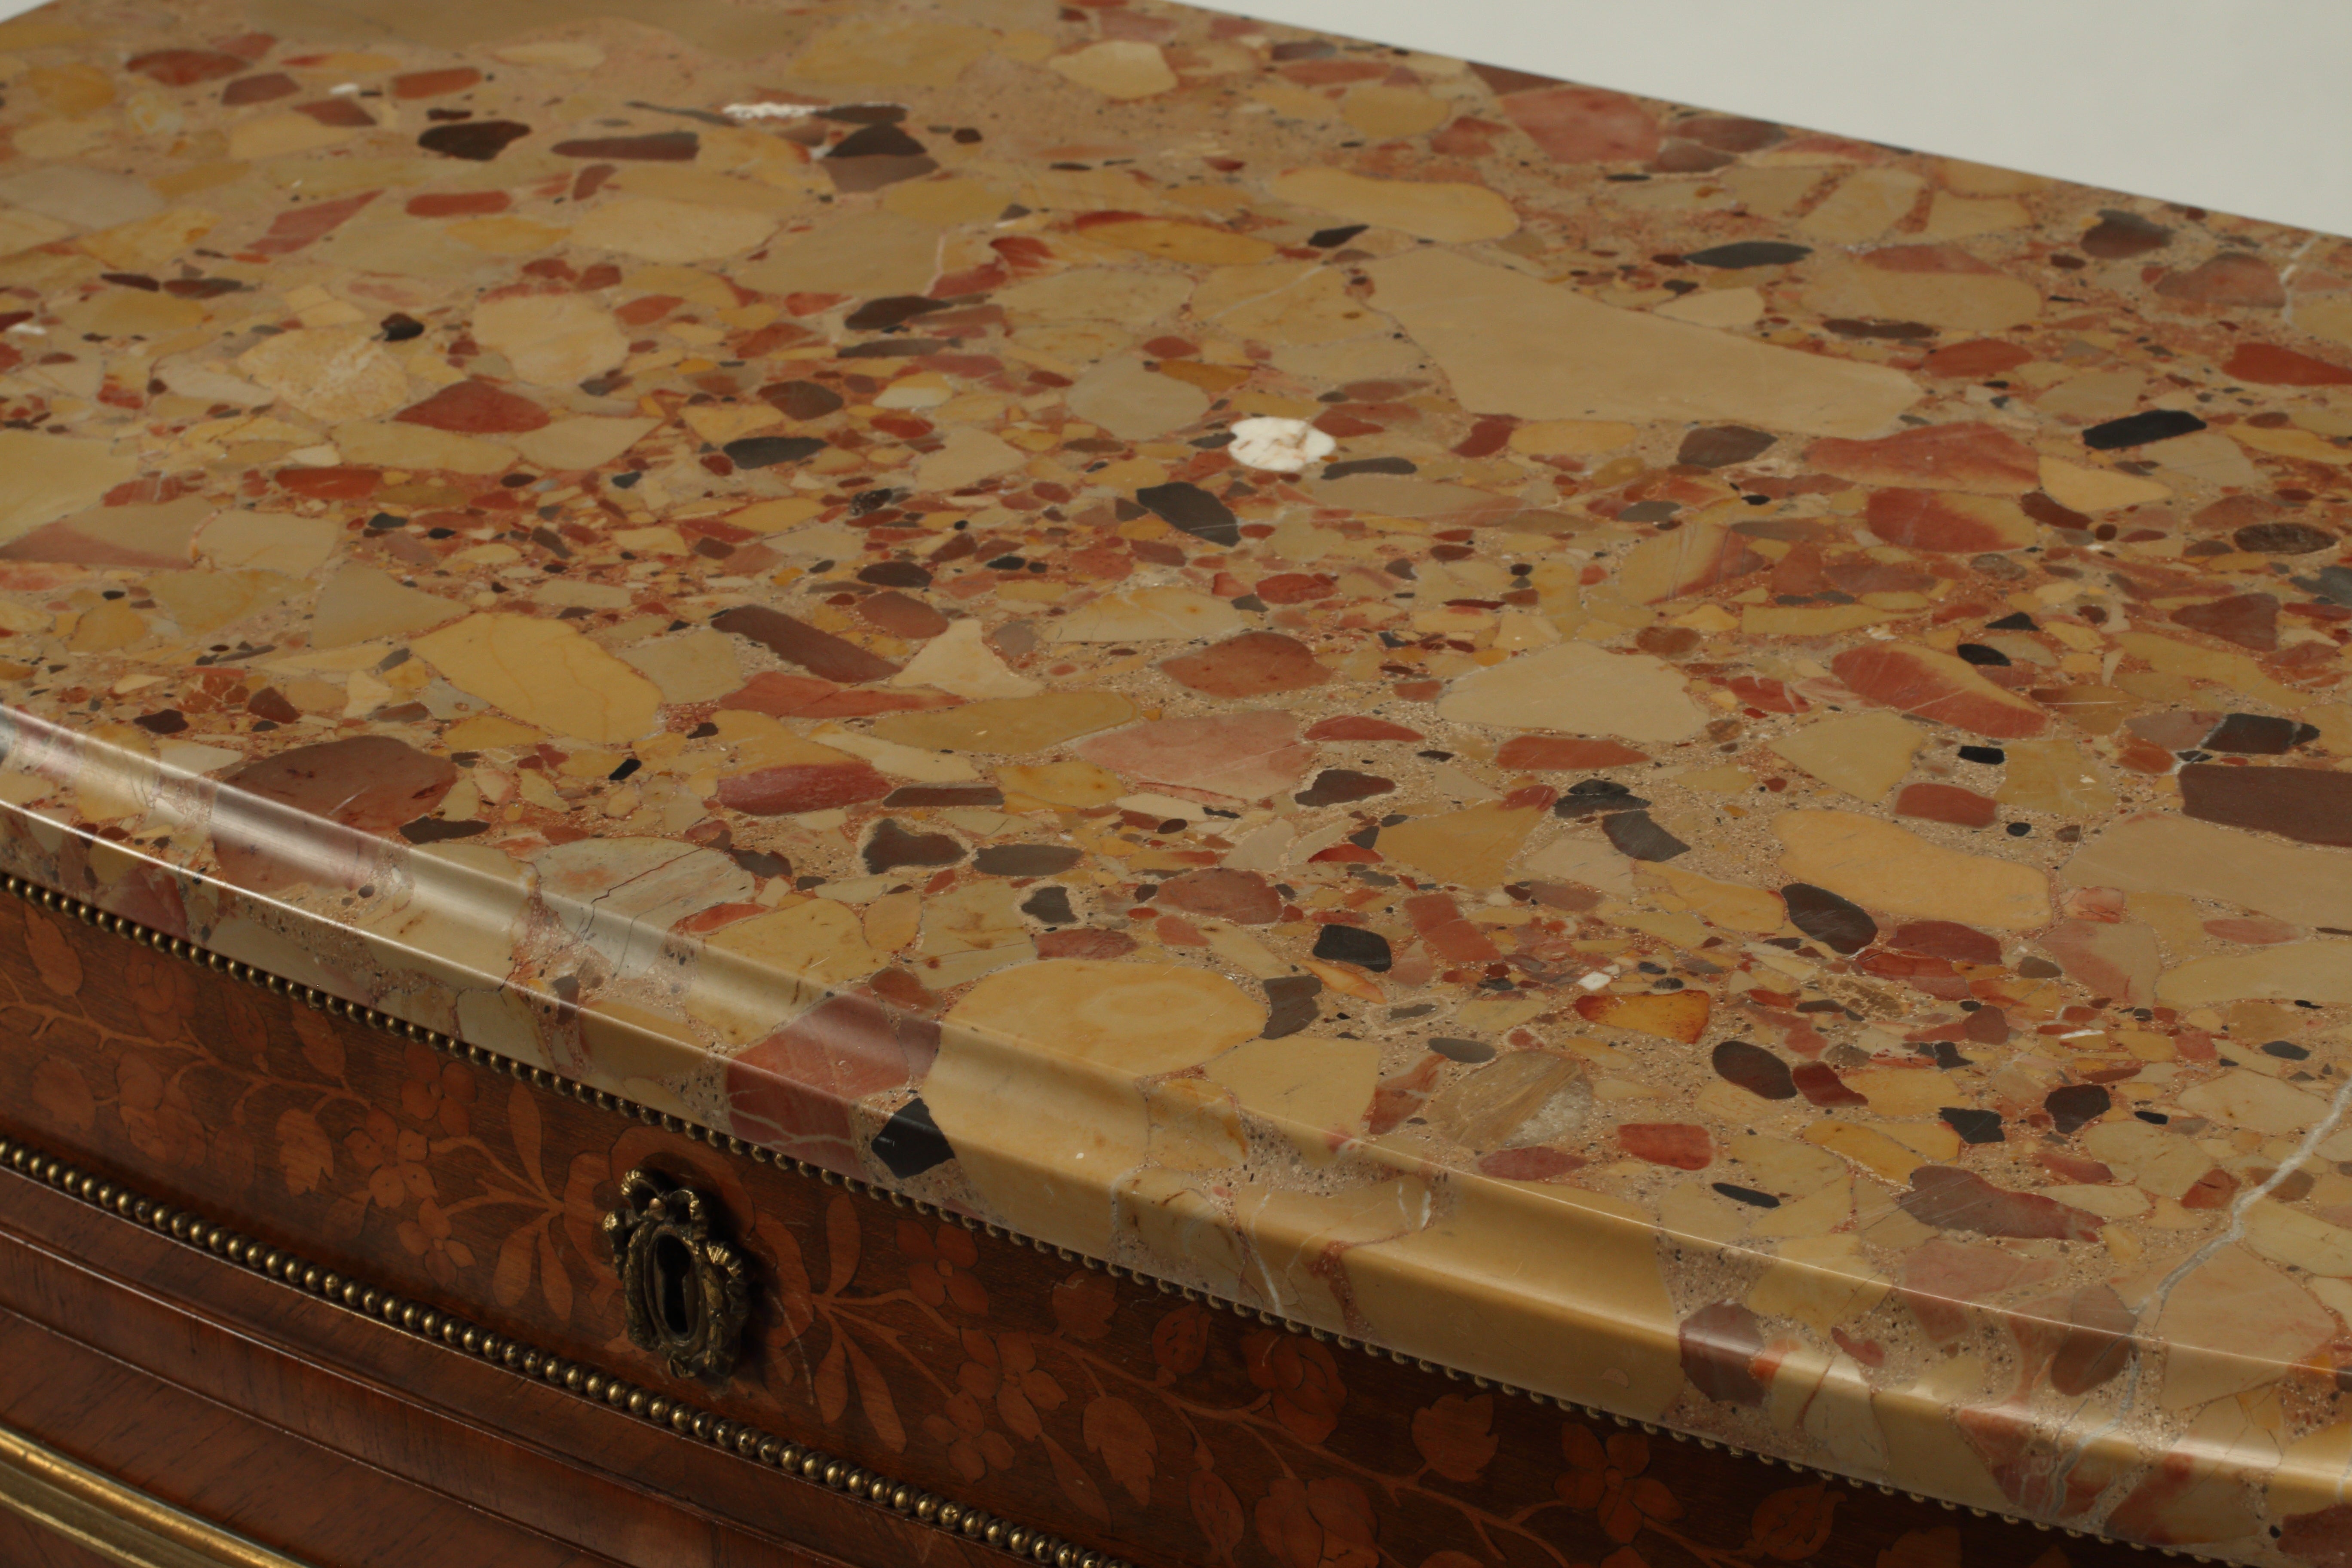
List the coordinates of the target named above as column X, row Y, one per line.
column 1530, row 1285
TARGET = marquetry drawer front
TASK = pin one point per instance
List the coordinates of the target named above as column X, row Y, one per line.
column 1070, row 1411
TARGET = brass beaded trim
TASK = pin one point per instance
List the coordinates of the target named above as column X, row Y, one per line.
column 447, row 1329
column 950, row 1516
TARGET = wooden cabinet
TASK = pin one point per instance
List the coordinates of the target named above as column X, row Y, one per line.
column 344, row 1292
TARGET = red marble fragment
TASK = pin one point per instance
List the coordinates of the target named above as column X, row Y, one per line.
column 2073, row 1167
column 2232, row 278
column 646, row 309
column 2271, row 365
column 1952, row 1199
column 290, row 231
column 1986, row 1027
column 2214, row 1190
column 1676, row 1144
column 1467, row 137
column 795, row 788
column 2256, row 931
column 258, row 89
column 185, row 68
column 2140, row 756
column 298, row 816
column 2249, row 620
column 2187, row 1499
column 1356, row 727
column 1585, row 125
column 902, row 615
column 1936, row 686
column 1934, row 976
column 61, row 541
column 1535, row 1164
column 1947, row 524
column 653, row 147
column 433, row 83
column 1556, row 754
column 1438, row 920
column 459, row 204
column 1087, row 943
column 1296, row 587
column 1243, row 898
column 794, row 1091
column 820, row 653
column 783, row 696
column 1729, row 132
column 1254, row 664
column 1963, row 456
column 342, row 113
column 1719, row 1345
column 1867, row 576
column 476, row 408
column 1948, row 803
column 330, row 484
column 1976, row 358
column 1926, row 258
column 1681, row 157
column 1819, row 1082
column 1487, row 436
column 1941, row 1278
column 2311, row 804
column 1765, row 693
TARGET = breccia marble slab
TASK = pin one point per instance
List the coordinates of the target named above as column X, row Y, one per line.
column 1693, row 765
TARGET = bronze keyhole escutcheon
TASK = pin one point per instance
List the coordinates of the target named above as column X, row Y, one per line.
column 686, row 1293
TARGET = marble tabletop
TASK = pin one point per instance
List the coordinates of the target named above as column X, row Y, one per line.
column 1697, row 766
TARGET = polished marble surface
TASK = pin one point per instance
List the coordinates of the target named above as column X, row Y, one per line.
column 1695, row 766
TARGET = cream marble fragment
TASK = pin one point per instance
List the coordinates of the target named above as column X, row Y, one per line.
column 757, row 971
column 283, row 542
column 2318, row 971
column 659, row 229
column 1121, row 68
column 1576, row 688
column 51, row 477
column 1315, row 1091
column 1594, row 363
column 2234, row 1323
column 1444, row 211
column 1964, row 301
column 967, row 457
column 332, row 374
column 401, row 446
column 586, row 442
column 361, row 604
column 2306, row 884
column 556, row 340
column 543, row 673
column 1864, row 754
column 1546, row 1287
column 1884, row 866
column 1054, row 1049
column 1149, row 614
column 864, row 253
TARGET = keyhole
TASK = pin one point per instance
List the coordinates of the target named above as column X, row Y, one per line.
column 674, row 1285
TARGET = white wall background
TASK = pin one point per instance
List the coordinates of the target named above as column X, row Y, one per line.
column 2244, row 106
column 2240, row 105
